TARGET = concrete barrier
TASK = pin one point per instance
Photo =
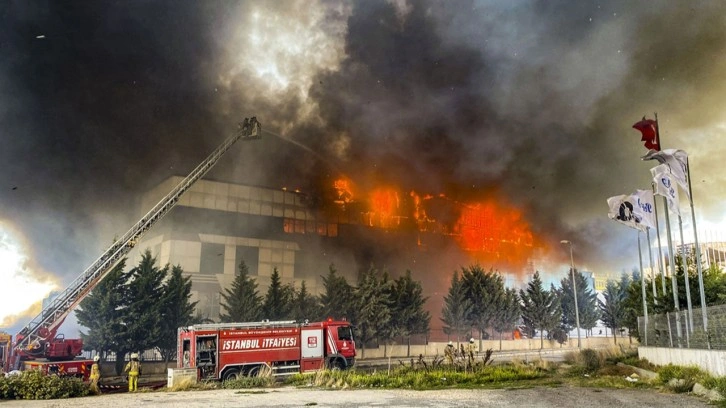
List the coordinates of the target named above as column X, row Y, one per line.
column 437, row 348
column 713, row 361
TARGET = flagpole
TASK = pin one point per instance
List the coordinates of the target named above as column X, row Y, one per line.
column 684, row 263
column 704, row 313
column 661, row 267
column 652, row 269
column 642, row 287
column 674, row 280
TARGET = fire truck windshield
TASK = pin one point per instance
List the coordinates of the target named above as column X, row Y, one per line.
column 344, row 333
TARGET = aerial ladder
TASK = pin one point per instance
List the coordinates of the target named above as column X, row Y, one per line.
column 38, row 338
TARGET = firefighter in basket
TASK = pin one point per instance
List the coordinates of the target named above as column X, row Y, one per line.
column 95, row 376
column 133, row 367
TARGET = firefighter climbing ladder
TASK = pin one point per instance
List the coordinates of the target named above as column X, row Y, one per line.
column 51, row 317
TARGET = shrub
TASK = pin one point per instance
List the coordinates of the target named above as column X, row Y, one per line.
column 33, row 384
column 591, row 360
column 686, row 377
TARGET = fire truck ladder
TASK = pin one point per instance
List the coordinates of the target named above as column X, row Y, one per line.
column 44, row 326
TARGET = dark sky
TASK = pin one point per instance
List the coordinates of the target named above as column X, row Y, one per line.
column 532, row 101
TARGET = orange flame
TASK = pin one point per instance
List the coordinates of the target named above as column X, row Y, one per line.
column 384, row 207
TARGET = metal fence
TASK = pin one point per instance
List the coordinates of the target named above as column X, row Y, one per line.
column 678, row 329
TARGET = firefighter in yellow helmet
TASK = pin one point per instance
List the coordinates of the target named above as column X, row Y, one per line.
column 133, row 367
column 95, row 375
column 471, row 351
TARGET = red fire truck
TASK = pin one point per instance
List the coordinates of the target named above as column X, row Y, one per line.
column 230, row 350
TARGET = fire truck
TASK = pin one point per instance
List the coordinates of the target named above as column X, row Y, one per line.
column 37, row 345
column 228, row 351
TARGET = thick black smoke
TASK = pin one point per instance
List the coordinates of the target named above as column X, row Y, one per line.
column 531, row 101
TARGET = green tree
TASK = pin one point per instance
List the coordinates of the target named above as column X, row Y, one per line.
column 408, row 313
column 145, row 311
column 484, row 290
column 613, row 306
column 242, row 302
column 372, row 302
column 586, row 303
column 176, row 310
column 305, row 306
column 335, row 301
column 101, row 312
column 507, row 313
column 278, row 300
column 540, row 308
column 457, row 309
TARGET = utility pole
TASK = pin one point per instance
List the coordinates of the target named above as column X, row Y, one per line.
column 574, row 292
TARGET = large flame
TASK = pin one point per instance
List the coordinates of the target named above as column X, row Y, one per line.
column 490, row 231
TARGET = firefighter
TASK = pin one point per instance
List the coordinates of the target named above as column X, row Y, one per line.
column 449, row 352
column 471, row 350
column 95, row 375
column 134, row 369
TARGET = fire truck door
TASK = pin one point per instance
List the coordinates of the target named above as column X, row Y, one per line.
column 312, row 343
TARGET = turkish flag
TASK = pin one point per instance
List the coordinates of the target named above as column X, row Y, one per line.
column 649, row 130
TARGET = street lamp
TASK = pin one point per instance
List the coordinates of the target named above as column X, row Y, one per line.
column 574, row 291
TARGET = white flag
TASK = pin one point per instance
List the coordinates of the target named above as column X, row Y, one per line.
column 622, row 211
column 644, row 208
column 676, row 161
column 664, row 186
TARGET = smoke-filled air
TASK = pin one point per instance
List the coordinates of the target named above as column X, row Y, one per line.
column 431, row 117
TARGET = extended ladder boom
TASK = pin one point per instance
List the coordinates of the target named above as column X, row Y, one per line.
column 44, row 326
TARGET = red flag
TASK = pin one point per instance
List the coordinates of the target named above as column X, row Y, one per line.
column 649, row 129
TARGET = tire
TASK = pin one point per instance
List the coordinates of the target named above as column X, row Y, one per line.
column 231, row 374
column 254, row 372
column 336, row 364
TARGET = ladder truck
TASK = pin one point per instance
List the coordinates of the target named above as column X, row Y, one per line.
column 37, row 345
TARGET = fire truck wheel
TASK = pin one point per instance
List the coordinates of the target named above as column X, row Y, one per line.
column 254, row 372
column 231, row 374
column 336, row 364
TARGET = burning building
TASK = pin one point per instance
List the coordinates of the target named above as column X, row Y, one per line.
column 216, row 225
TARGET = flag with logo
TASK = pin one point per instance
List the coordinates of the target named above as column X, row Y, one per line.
column 644, row 207
column 622, row 210
column 666, row 187
column 677, row 162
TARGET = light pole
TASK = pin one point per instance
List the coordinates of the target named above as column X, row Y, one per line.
column 574, row 291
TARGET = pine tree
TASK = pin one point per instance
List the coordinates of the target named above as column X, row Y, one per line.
column 613, row 306
column 408, row 313
column 540, row 308
column 335, row 301
column 508, row 313
column 177, row 311
column 101, row 312
column 457, row 309
column 586, row 303
column 372, row 302
column 241, row 302
column 278, row 299
column 484, row 290
column 144, row 317
column 305, row 305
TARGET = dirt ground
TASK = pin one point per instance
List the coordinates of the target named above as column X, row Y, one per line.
column 294, row 397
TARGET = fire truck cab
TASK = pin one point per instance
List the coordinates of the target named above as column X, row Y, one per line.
column 230, row 350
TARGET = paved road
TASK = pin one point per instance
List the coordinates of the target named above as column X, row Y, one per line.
column 292, row 397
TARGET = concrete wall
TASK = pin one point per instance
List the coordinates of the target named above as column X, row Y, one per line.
column 437, row 348
column 713, row 361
